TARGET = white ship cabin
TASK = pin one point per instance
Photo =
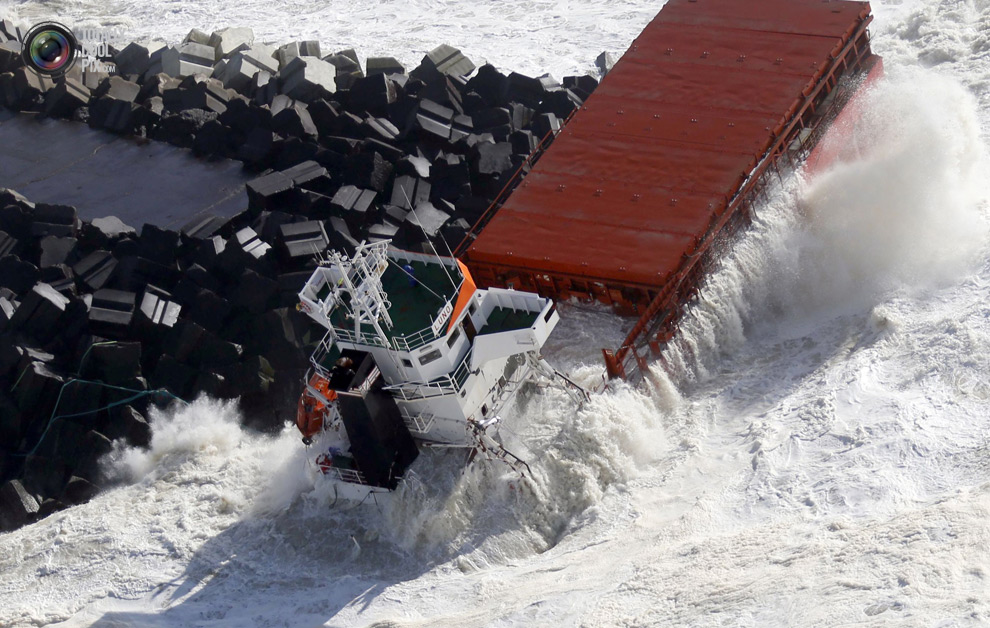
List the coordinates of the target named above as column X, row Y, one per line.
column 430, row 330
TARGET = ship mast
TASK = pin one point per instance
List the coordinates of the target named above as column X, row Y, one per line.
column 361, row 277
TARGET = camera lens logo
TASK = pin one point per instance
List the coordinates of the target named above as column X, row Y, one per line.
column 50, row 49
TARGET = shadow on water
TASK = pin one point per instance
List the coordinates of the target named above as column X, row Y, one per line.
column 290, row 569
column 305, row 565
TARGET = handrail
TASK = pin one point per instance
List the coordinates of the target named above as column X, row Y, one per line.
column 448, row 384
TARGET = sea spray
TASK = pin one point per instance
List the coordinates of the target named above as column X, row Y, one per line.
column 903, row 214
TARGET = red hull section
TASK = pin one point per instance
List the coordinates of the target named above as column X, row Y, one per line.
column 667, row 154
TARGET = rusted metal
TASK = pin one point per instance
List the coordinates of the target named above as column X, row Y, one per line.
column 667, row 156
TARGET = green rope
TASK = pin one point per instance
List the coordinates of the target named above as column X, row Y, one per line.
column 138, row 394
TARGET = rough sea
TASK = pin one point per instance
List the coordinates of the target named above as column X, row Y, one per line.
column 814, row 451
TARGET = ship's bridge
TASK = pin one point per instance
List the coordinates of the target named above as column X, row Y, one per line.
column 388, row 298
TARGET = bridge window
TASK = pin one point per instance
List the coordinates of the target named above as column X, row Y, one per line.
column 432, row 356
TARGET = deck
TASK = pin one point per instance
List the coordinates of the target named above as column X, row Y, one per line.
column 413, row 307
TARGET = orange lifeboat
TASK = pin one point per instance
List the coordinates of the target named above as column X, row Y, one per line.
column 312, row 409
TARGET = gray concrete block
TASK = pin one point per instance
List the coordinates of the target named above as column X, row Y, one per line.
column 308, row 78
column 135, row 58
column 198, row 37
column 348, row 68
column 448, row 60
column 182, row 61
column 227, row 41
column 17, row 506
column 383, row 65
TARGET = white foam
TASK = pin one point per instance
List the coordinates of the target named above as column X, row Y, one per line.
column 818, row 456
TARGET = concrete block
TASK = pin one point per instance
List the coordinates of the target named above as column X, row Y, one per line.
column 545, row 124
column 582, row 85
column 158, row 245
column 118, row 88
column 202, row 227
column 197, row 36
column 294, row 120
column 134, row 427
column 158, row 307
column 526, row 90
column 111, row 313
column 447, row 60
column 134, row 273
column 95, row 270
column 382, row 231
column 560, row 103
column 253, row 292
column 39, row 313
column 341, row 238
column 56, row 250
column 112, row 227
column 112, row 115
column 183, row 60
column 326, row 116
column 350, row 199
column 227, row 41
column 9, row 245
column 425, row 219
column 303, row 239
column 17, row 274
column 604, row 62
column 17, row 506
column 10, row 56
column 308, row 78
column 495, row 117
column 78, row 491
column 248, row 241
column 242, row 67
column 494, row 158
column 257, row 147
column 208, row 310
column 310, row 175
column 66, row 97
column 269, row 191
column 115, row 363
column 211, row 139
column 29, row 89
column 434, row 119
column 372, row 93
column 409, row 192
column 523, row 142
column 135, row 58
column 383, row 65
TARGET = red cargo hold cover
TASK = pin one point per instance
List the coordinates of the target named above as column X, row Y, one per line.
column 633, row 182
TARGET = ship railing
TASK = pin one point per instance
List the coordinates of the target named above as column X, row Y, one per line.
column 399, row 343
column 414, row 341
column 359, row 338
column 351, row 476
column 446, row 385
column 420, row 423
column 655, row 326
column 319, row 357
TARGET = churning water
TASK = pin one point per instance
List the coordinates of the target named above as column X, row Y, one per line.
column 813, row 451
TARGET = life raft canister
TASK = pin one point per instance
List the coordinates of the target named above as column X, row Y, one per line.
column 312, row 409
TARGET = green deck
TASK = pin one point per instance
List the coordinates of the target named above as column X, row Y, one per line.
column 503, row 319
column 413, row 308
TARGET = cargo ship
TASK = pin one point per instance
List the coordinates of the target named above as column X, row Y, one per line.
column 628, row 204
